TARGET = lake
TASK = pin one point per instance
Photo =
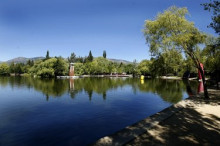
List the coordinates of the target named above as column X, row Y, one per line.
column 79, row 111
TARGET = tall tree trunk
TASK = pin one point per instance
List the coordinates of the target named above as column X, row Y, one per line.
column 204, row 82
column 197, row 63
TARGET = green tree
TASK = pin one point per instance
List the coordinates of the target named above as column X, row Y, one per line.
column 144, row 67
column 212, row 53
column 172, row 61
column 110, row 67
column 47, row 55
column 129, row 68
column 79, row 69
column 212, row 50
column 87, row 68
column 80, row 59
column 214, row 6
column 72, row 58
column 18, row 69
column 135, row 71
column 4, row 69
column 49, row 68
column 46, row 73
column 171, row 30
column 188, row 65
column 157, row 66
column 90, row 57
column 30, row 62
column 12, row 67
column 100, row 66
column 26, row 67
column 104, row 54
column 60, row 67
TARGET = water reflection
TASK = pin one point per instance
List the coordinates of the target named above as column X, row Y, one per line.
column 191, row 87
column 200, row 87
column 80, row 111
column 169, row 90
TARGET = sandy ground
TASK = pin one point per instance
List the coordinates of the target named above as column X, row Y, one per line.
column 197, row 123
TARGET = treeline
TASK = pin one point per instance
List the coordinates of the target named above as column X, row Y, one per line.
column 59, row 66
column 170, row 63
column 173, row 63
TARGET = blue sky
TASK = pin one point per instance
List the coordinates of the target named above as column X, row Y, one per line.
column 28, row 28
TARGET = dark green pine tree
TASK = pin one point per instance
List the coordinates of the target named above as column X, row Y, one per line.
column 72, row 58
column 47, row 55
column 104, row 54
column 90, row 57
column 30, row 62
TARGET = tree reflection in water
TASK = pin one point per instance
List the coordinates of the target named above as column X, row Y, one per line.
column 169, row 90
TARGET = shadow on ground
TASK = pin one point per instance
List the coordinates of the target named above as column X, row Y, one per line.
column 194, row 121
column 186, row 127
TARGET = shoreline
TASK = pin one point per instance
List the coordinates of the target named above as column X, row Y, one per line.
column 140, row 133
column 101, row 76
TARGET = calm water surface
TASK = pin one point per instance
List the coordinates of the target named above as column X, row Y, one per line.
column 78, row 112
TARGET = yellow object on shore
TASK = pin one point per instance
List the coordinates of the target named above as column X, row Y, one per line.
column 142, row 77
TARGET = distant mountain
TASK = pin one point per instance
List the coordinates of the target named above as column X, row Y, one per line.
column 119, row 61
column 23, row 59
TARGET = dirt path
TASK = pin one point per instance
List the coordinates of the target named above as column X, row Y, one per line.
column 197, row 123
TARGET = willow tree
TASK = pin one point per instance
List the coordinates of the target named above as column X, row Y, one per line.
column 171, row 30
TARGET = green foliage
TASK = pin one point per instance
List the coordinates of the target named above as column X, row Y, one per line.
column 167, row 63
column 12, row 67
column 172, row 61
column 4, row 69
column 90, row 57
column 60, row 67
column 100, row 66
column 129, row 69
column 80, row 59
column 72, row 58
column 30, row 62
column 104, row 54
column 79, row 69
column 171, row 30
column 87, row 68
column 214, row 6
column 50, row 68
column 212, row 53
column 212, row 49
column 47, row 55
column 188, row 65
column 157, row 67
column 19, row 68
column 144, row 67
column 46, row 72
